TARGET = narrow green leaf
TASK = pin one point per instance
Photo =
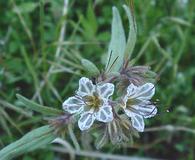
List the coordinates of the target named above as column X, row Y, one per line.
column 132, row 33
column 164, row 52
column 92, row 18
column 27, row 7
column 117, row 44
column 180, row 21
column 89, row 23
column 15, row 108
column 29, row 142
column 30, row 66
column 37, row 107
column 90, row 67
column 9, row 119
column 5, row 126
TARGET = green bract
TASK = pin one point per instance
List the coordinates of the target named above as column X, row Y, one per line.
column 119, row 50
column 117, row 43
column 90, row 67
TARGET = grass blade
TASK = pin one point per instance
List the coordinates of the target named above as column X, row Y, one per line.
column 38, row 108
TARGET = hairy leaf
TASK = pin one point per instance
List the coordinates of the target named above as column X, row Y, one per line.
column 132, row 33
column 29, row 142
column 90, row 67
column 26, row 7
column 117, row 44
column 38, row 108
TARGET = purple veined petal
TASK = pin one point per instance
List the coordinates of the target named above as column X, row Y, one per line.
column 132, row 90
column 147, row 110
column 86, row 120
column 105, row 114
column 105, row 90
column 86, row 87
column 124, row 100
column 144, row 92
column 138, row 122
column 128, row 112
column 136, row 119
column 73, row 105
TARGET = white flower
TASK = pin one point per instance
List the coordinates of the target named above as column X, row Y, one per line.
column 91, row 102
column 137, row 104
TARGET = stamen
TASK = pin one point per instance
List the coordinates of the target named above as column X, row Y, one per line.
column 92, row 101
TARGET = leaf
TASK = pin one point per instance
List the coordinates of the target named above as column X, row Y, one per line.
column 90, row 67
column 117, row 44
column 132, row 37
column 89, row 23
column 30, row 66
column 9, row 119
column 178, row 20
column 33, row 140
column 91, row 17
column 37, row 107
column 4, row 126
column 26, row 7
column 15, row 108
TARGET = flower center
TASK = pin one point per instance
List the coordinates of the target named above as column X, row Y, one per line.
column 132, row 101
column 93, row 101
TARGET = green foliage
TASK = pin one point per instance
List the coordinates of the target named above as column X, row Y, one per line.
column 33, row 140
column 119, row 51
column 117, row 44
column 91, row 69
column 39, row 108
column 89, row 23
column 29, row 65
column 26, row 7
column 132, row 33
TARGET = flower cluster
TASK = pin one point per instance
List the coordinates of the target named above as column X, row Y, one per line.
column 91, row 102
column 97, row 101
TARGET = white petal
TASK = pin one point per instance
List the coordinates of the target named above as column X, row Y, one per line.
column 138, row 122
column 147, row 110
column 136, row 119
column 144, row 92
column 128, row 112
column 105, row 90
column 86, row 87
column 73, row 105
column 132, row 90
column 105, row 114
column 86, row 120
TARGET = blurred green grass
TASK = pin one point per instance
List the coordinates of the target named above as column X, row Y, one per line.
column 38, row 64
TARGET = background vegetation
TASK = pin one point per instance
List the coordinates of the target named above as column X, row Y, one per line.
column 42, row 63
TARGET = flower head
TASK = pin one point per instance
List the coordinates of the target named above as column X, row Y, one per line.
column 91, row 103
column 137, row 104
column 139, row 75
